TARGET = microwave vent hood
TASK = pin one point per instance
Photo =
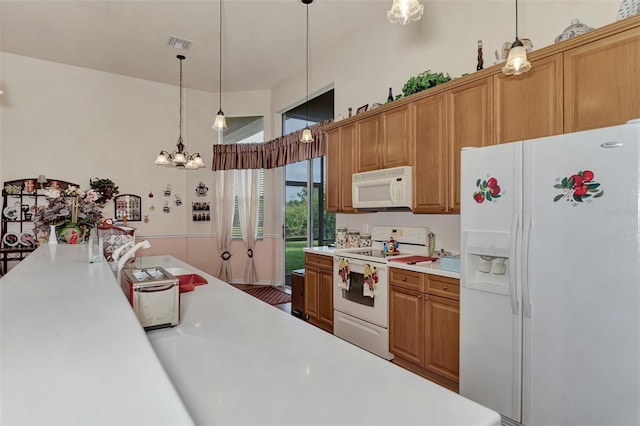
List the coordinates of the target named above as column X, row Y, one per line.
column 388, row 189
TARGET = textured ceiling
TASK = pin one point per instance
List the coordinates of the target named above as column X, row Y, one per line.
column 263, row 40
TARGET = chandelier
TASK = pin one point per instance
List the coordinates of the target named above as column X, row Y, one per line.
column 306, row 133
column 220, row 123
column 405, row 11
column 180, row 158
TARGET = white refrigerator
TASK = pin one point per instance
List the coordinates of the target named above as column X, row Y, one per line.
column 550, row 278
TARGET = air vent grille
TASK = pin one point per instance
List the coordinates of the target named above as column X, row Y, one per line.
column 179, row 43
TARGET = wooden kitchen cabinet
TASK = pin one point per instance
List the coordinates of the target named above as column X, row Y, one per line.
column 442, row 336
column 469, row 123
column 529, row 105
column 429, row 133
column 396, row 144
column 424, row 325
column 340, row 166
column 318, row 291
column 406, row 324
column 602, row 82
column 382, row 140
column 368, row 144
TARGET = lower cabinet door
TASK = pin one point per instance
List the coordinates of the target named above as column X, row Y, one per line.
column 406, row 324
column 311, row 283
column 442, row 336
column 325, row 296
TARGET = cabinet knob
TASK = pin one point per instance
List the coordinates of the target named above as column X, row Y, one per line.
column 404, row 278
column 442, row 209
column 419, row 296
column 445, row 287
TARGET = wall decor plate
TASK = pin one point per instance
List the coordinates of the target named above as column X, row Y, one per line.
column 10, row 212
column 27, row 239
column 10, row 239
column 628, row 8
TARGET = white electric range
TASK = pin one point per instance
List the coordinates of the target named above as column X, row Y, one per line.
column 361, row 287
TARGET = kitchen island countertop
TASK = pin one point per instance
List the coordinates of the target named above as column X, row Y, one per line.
column 74, row 353
column 237, row 360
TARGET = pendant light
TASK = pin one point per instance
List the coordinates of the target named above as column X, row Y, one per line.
column 517, row 62
column 307, row 137
column 220, row 123
column 405, row 11
column 180, row 158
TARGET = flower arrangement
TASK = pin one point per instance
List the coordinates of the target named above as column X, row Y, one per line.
column 105, row 188
column 73, row 213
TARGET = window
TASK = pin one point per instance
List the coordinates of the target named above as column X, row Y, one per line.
column 246, row 130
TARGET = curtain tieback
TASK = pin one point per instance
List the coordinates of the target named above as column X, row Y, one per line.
column 250, row 253
column 225, row 255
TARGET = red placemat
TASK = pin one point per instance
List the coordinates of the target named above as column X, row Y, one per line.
column 413, row 259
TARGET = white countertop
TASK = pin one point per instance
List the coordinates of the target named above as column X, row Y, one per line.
column 424, row 267
column 72, row 352
column 236, row 360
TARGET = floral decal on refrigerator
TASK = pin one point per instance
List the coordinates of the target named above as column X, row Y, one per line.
column 488, row 189
column 578, row 188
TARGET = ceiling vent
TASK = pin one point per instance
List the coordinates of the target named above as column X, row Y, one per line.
column 179, row 43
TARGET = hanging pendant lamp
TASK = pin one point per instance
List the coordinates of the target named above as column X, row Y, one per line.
column 179, row 158
column 517, row 62
column 220, row 123
column 405, row 11
column 307, row 137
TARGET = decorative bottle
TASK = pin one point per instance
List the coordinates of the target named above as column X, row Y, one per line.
column 390, row 97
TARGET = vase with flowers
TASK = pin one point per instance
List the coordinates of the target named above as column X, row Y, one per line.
column 72, row 212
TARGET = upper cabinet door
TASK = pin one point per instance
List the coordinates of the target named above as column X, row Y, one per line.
column 396, row 143
column 347, row 142
column 470, row 123
column 368, row 144
column 428, row 129
column 529, row 105
column 333, row 146
column 602, row 82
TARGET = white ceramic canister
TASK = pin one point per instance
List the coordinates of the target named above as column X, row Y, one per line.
column 341, row 237
column 354, row 238
column 365, row 240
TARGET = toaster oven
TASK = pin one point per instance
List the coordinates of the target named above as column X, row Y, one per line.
column 154, row 295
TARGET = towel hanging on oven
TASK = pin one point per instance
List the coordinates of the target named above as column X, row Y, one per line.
column 344, row 276
column 370, row 287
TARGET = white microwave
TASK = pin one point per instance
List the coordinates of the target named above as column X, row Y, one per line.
column 382, row 189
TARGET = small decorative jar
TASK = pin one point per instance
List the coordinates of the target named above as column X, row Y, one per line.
column 354, row 238
column 341, row 237
column 365, row 240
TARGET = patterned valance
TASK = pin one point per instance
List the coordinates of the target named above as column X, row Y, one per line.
column 278, row 152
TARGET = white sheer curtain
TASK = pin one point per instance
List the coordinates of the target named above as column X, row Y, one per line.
column 248, row 183
column 225, row 197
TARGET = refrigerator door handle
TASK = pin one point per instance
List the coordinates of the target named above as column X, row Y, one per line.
column 512, row 270
column 526, row 300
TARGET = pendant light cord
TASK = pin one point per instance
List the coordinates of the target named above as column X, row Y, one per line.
column 516, row 19
column 180, row 122
column 307, row 102
column 220, row 55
